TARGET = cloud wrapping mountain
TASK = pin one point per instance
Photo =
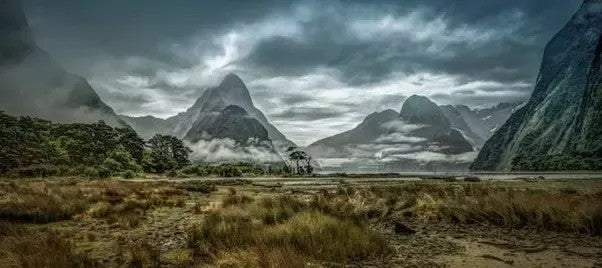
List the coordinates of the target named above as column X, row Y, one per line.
column 419, row 138
column 32, row 84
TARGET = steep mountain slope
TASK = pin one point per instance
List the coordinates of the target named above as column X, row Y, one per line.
column 475, row 122
column 478, row 125
column 370, row 129
column 32, row 84
column 561, row 125
column 457, row 121
column 231, row 135
column 233, row 123
column 494, row 117
column 418, row 138
column 436, row 129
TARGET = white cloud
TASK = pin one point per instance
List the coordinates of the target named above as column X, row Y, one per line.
column 399, row 138
column 401, row 126
column 228, row 150
column 429, row 156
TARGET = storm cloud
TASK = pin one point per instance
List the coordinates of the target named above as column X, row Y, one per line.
column 315, row 68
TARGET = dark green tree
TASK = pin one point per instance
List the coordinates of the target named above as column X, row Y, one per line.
column 165, row 153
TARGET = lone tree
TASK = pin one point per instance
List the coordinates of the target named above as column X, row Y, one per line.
column 301, row 159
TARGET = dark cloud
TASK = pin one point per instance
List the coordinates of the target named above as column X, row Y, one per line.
column 307, row 114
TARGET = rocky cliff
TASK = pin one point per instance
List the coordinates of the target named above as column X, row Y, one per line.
column 560, row 128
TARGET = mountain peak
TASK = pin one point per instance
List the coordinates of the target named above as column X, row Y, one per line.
column 232, row 80
column 421, row 110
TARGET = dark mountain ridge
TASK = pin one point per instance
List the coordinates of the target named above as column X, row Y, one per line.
column 560, row 128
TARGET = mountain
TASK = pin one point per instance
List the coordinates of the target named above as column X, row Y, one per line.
column 560, row 128
column 233, row 122
column 420, row 110
column 222, row 112
column 478, row 125
column 32, row 84
column 231, row 91
column 231, row 135
column 148, row 126
column 420, row 137
column 457, row 121
column 370, row 129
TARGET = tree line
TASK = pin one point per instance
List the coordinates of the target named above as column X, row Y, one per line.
column 35, row 147
column 32, row 147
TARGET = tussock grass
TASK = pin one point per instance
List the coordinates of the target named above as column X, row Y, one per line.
column 281, row 231
column 233, row 199
column 555, row 210
column 44, row 201
column 140, row 254
column 32, row 249
column 41, row 204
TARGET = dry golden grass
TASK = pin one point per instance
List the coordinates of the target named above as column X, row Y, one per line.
column 278, row 230
column 553, row 210
column 33, row 249
column 139, row 254
column 50, row 201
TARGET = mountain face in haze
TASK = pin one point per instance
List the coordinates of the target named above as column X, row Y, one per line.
column 418, row 138
column 369, row 129
column 457, row 121
column 32, row 84
column 478, row 125
column 148, row 126
column 560, row 128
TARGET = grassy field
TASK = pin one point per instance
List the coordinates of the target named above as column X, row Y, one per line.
column 300, row 222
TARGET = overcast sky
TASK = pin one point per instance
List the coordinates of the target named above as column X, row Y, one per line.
column 315, row 68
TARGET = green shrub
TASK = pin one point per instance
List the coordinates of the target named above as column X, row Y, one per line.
column 172, row 173
column 129, row 174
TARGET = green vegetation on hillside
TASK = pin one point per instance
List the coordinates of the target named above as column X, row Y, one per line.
column 31, row 147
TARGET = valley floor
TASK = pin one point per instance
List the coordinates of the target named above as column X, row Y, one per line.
column 301, row 222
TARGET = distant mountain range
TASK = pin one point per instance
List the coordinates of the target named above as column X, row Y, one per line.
column 478, row 125
column 32, row 84
column 222, row 118
column 422, row 137
column 560, row 127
